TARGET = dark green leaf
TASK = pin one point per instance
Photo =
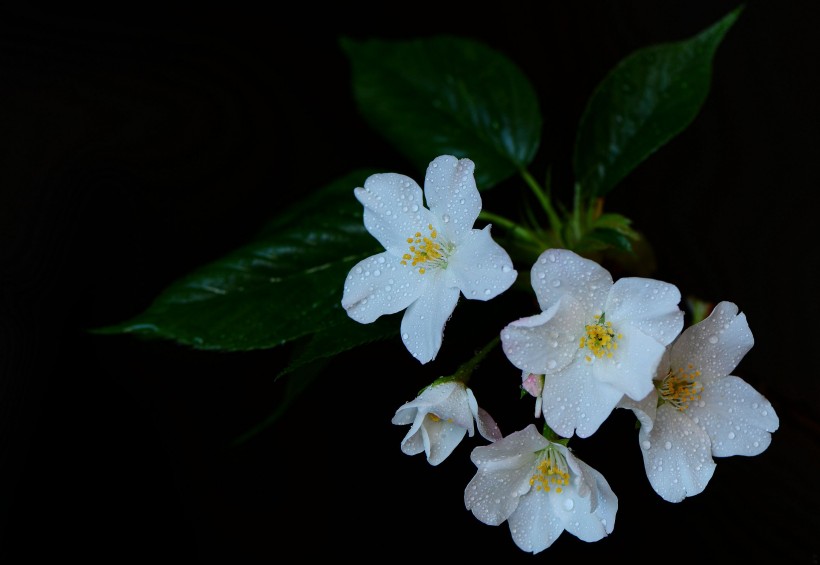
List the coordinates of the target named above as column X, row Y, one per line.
column 341, row 337
column 611, row 238
column 646, row 100
column 446, row 95
column 285, row 285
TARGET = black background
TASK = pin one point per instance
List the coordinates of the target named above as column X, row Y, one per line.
column 136, row 147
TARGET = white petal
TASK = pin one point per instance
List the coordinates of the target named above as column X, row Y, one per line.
column 645, row 410
column 512, row 451
column 648, row 304
column 676, row 455
column 533, row 525
column 716, row 345
column 605, row 500
column 480, row 267
column 393, row 210
column 577, row 403
column 545, row 343
column 633, row 365
column 493, row 494
column 487, row 427
column 444, row 437
column 559, row 272
column 451, row 193
column 378, row 285
column 738, row 419
column 413, row 442
column 455, row 407
column 422, row 326
column 578, row 517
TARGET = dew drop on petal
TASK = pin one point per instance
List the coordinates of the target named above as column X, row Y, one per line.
column 667, row 445
column 569, row 504
column 731, row 435
column 646, row 444
column 556, row 283
column 551, row 364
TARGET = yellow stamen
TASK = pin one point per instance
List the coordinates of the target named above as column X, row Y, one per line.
column 680, row 387
column 550, row 471
column 600, row 339
column 426, row 250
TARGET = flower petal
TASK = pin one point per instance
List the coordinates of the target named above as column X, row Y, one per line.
column 486, row 426
column 393, row 210
column 648, row 304
column 452, row 196
column 716, row 345
column 444, row 438
column 634, row 364
column 559, row 272
column 544, row 343
column 377, row 286
column 526, row 441
column 577, row 513
column 422, row 326
column 677, row 455
column 738, row 419
column 534, row 526
column 480, row 267
column 455, row 407
column 574, row 402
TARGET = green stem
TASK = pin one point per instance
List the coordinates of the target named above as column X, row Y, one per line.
column 465, row 371
column 509, row 225
column 555, row 220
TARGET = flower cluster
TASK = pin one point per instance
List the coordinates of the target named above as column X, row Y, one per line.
column 597, row 344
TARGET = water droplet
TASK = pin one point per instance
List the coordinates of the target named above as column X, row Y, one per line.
column 556, row 283
column 713, row 339
column 381, row 259
column 487, row 291
column 646, row 444
column 731, row 435
column 415, row 208
column 551, row 364
column 667, row 445
column 376, row 273
column 569, row 504
column 446, row 218
column 506, row 269
column 405, row 337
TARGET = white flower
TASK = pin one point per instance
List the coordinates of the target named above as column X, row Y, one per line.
column 432, row 255
column 594, row 341
column 698, row 410
column 541, row 489
column 440, row 416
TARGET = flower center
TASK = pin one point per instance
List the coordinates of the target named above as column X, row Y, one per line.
column 599, row 338
column 426, row 251
column 680, row 387
column 551, row 471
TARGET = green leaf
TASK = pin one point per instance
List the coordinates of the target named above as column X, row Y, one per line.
column 447, row 96
column 347, row 334
column 646, row 100
column 285, row 285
